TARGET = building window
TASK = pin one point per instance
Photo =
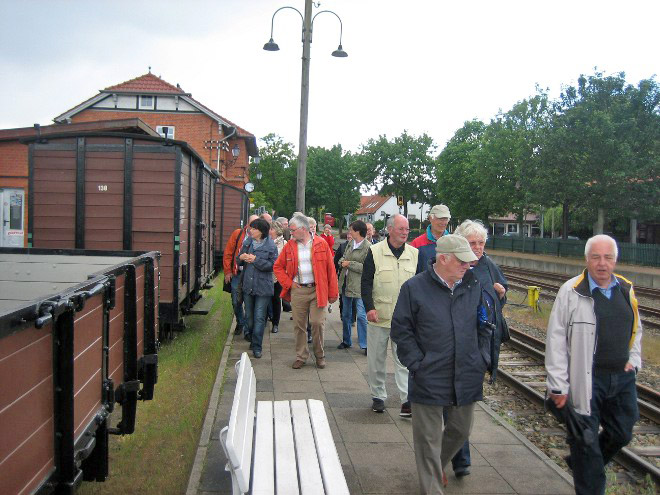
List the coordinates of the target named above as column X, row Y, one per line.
column 146, row 102
column 166, row 131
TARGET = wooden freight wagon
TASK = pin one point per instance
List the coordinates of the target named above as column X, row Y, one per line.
column 128, row 192
column 77, row 335
column 231, row 212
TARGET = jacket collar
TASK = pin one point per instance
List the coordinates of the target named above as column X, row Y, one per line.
column 581, row 284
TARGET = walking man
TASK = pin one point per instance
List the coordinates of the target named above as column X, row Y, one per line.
column 593, row 352
column 387, row 266
column 439, row 217
column 231, row 271
column 436, row 328
column 306, row 272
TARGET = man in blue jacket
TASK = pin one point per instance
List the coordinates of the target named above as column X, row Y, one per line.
column 436, row 328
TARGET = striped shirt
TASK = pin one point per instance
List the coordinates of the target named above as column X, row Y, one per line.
column 305, row 271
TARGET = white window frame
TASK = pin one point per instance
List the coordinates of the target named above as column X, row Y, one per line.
column 142, row 106
column 170, row 131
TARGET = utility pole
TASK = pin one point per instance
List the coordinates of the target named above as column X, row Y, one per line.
column 304, row 108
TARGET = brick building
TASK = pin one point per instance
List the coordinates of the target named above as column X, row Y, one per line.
column 175, row 114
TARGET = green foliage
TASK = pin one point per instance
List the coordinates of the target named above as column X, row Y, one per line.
column 379, row 225
column 278, row 167
column 461, row 182
column 332, row 183
column 404, row 166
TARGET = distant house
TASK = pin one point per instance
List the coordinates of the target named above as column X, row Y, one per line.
column 174, row 114
column 509, row 224
column 373, row 208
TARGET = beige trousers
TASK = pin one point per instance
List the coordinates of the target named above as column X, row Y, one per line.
column 378, row 339
column 303, row 303
column 434, row 447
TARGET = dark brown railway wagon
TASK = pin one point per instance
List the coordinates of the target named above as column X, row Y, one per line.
column 77, row 335
column 127, row 192
column 231, row 212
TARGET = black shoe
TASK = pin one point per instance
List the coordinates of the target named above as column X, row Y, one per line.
column 248, row 337
column 343, row 345
column 365, row 351
column 406, row 412
column 275, row 329
column 257, row 354
column 459, row 472
column 238, row 330
column 378, row 406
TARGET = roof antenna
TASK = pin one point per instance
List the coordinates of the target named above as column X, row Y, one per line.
column 150, row 69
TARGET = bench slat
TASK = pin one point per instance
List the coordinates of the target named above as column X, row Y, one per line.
column 308, row 462
column 241, row 423
column 286, row 475
column 263, row 477
column 331, row 470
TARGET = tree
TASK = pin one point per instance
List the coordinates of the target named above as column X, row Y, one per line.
column 278, row 169
column 509, row 155
column 461, row 184
column 332, row 182
column 402, row 167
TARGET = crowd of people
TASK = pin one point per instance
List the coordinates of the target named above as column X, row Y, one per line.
column 437, row 303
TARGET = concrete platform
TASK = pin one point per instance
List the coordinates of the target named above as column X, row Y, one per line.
column 376, row 450
column 645, row 276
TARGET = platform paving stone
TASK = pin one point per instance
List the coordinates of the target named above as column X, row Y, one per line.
column 375, row 449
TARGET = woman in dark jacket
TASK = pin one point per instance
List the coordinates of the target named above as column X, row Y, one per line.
column 257, row 257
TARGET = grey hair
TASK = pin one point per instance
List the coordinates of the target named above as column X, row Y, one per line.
column 601, row 237
column 472, row 227
column 327, row 226
column 311, row 220
column 299, row 221
column 282, row 219
column 390, row 221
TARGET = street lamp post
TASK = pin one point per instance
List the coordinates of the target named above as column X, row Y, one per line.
column 271, row 46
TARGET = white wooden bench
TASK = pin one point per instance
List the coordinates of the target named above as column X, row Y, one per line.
column 285, row 448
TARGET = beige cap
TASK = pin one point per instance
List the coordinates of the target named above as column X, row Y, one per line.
column 456, row 245
column 440, row 211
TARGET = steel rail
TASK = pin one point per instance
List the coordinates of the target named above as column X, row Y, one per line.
column 625, row 457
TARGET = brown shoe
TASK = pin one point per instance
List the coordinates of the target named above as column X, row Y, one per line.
column 320, row 363
column 298, row 364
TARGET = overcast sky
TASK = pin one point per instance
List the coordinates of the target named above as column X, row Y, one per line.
column 421, row 65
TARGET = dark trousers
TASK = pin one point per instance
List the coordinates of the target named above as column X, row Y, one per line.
column 614, row 406
column 462, row 458
column 238, row 308
column 276, row 305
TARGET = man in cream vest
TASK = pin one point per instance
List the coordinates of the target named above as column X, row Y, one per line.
column 387, row 266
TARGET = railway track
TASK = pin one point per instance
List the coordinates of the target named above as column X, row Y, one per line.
column 523, row 278
column 522, row 368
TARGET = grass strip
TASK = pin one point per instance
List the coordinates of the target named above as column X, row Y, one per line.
column 158, row 457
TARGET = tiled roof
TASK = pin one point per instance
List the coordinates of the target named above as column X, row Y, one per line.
column 147, row 83
column 371, row 204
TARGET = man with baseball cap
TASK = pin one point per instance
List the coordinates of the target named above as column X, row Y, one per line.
column 439, row 217
column 436, row 328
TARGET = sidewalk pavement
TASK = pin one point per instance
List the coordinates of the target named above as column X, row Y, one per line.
column 376, row 450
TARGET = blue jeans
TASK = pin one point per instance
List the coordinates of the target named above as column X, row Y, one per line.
column 238, row 308
column 347, row 320
column 255, row 310
column 614, row 406
column 462, row 458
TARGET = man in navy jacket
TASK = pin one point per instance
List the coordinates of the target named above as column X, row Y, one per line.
column 436, row 328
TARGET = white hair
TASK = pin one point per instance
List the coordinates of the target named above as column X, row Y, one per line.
column 299, row 221
column 390, row 221
column 472, row 227
column 598, row 238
